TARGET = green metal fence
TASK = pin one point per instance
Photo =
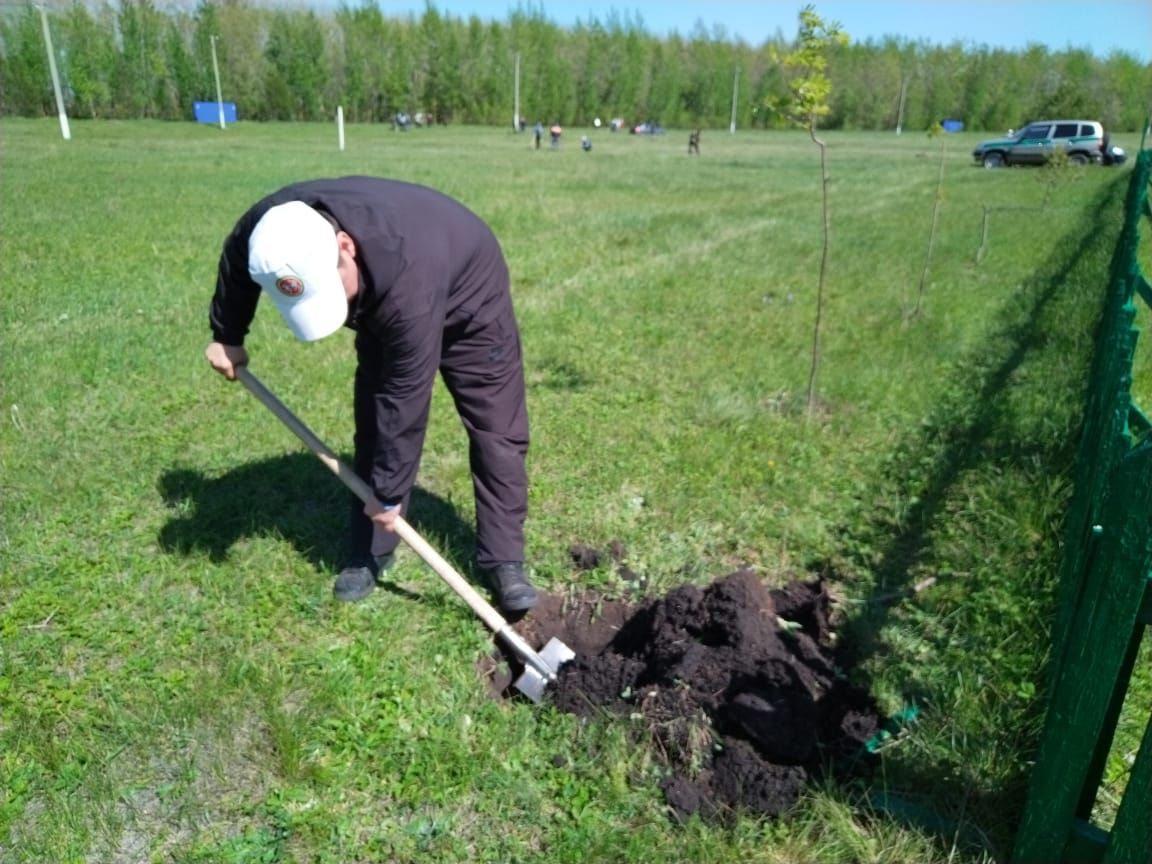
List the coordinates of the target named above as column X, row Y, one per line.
column 1105, row 603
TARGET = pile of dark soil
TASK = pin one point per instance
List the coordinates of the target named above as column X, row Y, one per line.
column 736, row 684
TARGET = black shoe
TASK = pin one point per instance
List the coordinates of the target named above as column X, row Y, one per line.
column 358, row 578
column 514, row 593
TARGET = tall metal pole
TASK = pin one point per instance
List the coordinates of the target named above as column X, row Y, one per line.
column 64, row 130
column 900, row 108
column 516, row 97
column 216, row 73
column 735, row 90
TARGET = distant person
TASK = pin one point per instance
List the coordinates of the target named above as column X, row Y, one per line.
column 585, row 143
column 423, row 283
column 694, row 142
column 556, row 132
column 538, row 133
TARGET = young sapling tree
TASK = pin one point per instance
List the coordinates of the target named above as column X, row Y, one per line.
column 935, row 131
column 810, row 89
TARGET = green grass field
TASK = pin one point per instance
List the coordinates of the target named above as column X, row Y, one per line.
column 176, row 683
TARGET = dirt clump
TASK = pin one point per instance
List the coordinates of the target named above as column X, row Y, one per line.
column 736, row 684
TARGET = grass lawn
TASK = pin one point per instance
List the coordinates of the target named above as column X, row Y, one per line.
column 176, row 682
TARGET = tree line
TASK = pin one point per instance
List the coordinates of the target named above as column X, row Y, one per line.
column 134, row 59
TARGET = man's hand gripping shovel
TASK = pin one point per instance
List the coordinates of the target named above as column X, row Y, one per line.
column 540, row 669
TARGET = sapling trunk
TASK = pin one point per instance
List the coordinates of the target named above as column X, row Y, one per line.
column 931, row 232
column 824, row 256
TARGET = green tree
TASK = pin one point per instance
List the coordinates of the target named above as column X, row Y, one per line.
column 943, row 96
column 981, row 92
column 485, row 97
column 91, row 57
column 205, row 25
column 1075, row 87
column 441, row 85
column 546, row 87
column 353, row 78
column 1123, row 74
column 770, row 94
column 811, row 89
column 25, row 82
column 634, row 91
column 590, row 57
column 138, row 76
column 241, row 34
column 296, row 71
column 369, row 76
column 667, row 73
column 182, row 72
column 697, row 94
column 398, row 85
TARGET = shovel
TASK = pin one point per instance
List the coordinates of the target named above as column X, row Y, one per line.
column 539, row 668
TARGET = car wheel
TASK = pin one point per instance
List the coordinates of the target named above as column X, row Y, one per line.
column 993, row 160
column 1078, row 159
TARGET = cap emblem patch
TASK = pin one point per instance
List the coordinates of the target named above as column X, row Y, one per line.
column 290, row 286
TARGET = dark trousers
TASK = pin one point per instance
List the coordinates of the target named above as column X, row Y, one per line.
column 482, row 367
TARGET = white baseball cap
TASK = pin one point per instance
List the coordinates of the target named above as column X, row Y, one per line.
column 292, row 255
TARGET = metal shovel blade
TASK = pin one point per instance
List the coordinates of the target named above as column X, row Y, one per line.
column 533, row 682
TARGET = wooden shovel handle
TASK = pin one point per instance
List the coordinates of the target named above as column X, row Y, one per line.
column 361, row 490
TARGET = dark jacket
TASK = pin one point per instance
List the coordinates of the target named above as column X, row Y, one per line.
column 427, row 264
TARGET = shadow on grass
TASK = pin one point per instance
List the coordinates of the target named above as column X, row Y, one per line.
column 973, row 431
column 293, row 497
column 969, row 428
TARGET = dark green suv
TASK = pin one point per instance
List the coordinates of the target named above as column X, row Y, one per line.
column 1083, row 140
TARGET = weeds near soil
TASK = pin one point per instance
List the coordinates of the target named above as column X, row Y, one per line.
column 681, row 732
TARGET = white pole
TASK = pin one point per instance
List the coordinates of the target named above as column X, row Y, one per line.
column 64, row 130
column 735, row 90
column 516, row 97
column 216, row 73
column 900, row 107
column 340, row 124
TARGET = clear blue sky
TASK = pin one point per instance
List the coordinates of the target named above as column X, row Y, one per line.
column 1099, row 26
